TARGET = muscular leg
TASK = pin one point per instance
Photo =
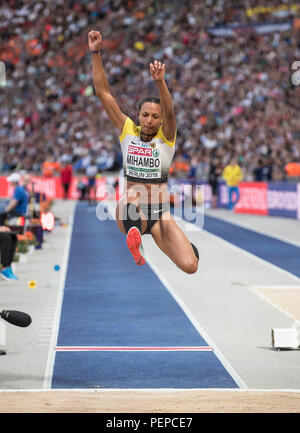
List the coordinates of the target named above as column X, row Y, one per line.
column 174, row 243
column 120, row 215
column 130, row 223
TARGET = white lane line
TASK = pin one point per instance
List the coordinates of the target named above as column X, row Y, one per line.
column 56, row 322
column 132, row 349
column 257, row 230
column 154, row 390
column 274, row 305
column 251, row 255
column 257, row 290
column 264, row 287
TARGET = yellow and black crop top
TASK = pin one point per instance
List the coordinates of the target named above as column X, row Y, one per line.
column 145, row 161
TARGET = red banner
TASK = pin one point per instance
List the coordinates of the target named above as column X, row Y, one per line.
column 52, row 188
column 253, row 198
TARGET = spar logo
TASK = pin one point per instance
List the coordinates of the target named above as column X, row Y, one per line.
column 134, row 150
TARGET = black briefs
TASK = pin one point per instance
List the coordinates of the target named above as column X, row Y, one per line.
column 153, row 212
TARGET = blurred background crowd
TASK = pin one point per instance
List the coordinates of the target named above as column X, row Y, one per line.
column 228, row 71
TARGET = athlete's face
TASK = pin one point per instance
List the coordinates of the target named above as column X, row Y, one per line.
column 150, row 117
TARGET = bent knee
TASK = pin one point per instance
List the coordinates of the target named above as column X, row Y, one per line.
column 190, row 266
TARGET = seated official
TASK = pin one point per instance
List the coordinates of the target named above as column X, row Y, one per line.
column 17, row 206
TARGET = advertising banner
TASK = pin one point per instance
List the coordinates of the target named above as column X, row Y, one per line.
column 51, row 187
column 222, row 195
column 282, row 199
column 253, row 198
column 273, row 198
column 199, row 192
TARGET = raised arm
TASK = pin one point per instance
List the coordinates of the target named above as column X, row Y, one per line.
column 101, row 84
column 157, row 70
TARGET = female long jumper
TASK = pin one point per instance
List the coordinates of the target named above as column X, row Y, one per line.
column 148, row 150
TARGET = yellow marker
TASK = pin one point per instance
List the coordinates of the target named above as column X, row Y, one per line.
column 31, row 284
column 140, row 46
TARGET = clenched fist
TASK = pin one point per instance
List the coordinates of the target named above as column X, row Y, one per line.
column 95, row 40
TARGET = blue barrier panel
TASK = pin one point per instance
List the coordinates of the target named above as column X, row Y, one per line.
column 282, row 199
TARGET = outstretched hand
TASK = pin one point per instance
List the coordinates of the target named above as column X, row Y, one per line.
column 95, row 40
column 157, row 70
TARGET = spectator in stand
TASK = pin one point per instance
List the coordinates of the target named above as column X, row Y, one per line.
column 232, row 174
column 263, row 171
column 215, row 174
column 8, row 244
column 91, row 172
column 82, row 188
column 236, row 84
column 28, row 186
column 293, row 171
column 17, row 206
column 66, row 176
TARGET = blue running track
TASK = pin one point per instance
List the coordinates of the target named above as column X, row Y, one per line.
column 275, row 251
column 279, row 253
column 112, row 308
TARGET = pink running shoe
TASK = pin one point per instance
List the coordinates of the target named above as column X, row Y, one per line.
column 134, row 243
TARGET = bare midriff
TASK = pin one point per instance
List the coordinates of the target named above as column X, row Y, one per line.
column 147, row 192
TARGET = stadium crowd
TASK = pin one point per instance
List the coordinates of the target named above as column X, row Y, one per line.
column 232, row 91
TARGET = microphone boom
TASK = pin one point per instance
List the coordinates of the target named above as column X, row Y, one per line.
column 17, row 318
